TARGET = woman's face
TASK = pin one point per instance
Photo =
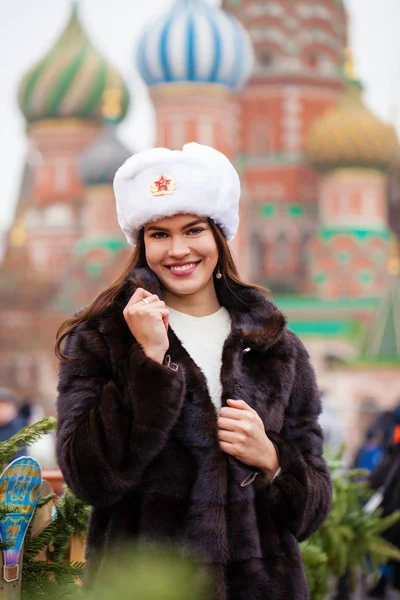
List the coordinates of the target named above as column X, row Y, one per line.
column 182, row 252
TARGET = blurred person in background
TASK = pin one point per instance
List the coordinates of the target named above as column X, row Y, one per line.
column 11, row 419
column 383, row 427
column 371, row 451
column 386, row 477
column 187, row 411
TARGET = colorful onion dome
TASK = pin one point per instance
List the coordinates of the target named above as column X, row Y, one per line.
column 196, row 42
column 70, row 80
column 351, row 135
column 99, row 162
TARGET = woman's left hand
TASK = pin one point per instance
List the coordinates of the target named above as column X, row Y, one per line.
column 242, row 434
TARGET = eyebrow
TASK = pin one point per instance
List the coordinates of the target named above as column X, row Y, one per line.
column 191, row 224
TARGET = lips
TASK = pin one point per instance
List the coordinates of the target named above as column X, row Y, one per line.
column 182, row 268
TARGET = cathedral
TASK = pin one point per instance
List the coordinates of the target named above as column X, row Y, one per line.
column 271, row 84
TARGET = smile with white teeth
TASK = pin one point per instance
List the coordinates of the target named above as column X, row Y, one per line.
column 183, row 267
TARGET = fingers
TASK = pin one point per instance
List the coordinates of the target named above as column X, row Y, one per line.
column 240, row 428
column 231, row 413
column 139, row 294
column 227, row 424
column 229, row 448
column 239, row 404
column 152, row 305
column 136, row 301
column 165, row 319
column 231, row 437
column 135, row 304
column 158, row 312
column 152, row 299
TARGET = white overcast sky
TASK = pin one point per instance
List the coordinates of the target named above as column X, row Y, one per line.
column 29, row 27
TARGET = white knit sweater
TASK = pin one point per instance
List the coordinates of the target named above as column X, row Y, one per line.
column 203, row 338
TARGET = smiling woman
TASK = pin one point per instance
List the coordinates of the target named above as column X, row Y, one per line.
column 187, row 411
column 183, row 253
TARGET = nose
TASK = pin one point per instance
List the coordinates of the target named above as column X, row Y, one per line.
column 178, row 248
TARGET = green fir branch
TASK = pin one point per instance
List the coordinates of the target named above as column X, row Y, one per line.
column 45, row 500
column 5, row 546
column 348, row 534
column 7, row 509
column 43, row 579
column 26, row 436
column 41, row 541
column 75, row 511
column 55, row 577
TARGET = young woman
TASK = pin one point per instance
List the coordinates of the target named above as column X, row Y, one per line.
column 187, row 411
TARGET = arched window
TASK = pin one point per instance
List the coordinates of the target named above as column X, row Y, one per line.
column 257, row 255
column 261, row 141
column 58, row 215
column 61, row 174
column 305, row 240
column 259, row 136
column 312, row 60
column 320, row 61
column 282, row 246
column 266, row 58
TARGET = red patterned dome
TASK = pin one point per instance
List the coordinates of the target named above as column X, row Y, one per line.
column 304, row 37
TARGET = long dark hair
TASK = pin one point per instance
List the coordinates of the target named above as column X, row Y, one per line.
column 226, row 265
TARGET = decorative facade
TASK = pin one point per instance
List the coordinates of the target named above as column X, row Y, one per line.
column 353, row 150
column 299, row 48
column 63, row 98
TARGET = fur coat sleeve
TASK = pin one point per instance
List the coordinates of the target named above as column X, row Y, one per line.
column 300, row 497
column 107, row 436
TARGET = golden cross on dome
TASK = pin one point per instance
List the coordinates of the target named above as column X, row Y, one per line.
column 349, row 68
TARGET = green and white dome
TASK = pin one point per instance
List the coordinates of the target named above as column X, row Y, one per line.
column 70, row 80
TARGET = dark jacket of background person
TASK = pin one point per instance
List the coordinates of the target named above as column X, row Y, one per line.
column 388, row 472
column 383, row 427
column 138, row 441
column 370, row 454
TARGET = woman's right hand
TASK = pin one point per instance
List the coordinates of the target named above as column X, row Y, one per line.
column 148, row 322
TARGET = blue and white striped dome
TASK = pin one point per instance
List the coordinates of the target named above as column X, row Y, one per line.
column 197, row 42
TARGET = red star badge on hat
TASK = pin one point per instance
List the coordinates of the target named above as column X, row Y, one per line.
column 162, row 183
column 163, row 186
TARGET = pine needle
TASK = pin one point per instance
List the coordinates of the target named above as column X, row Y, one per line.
column 26, row 436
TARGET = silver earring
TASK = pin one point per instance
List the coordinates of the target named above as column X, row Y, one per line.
column 218, row 274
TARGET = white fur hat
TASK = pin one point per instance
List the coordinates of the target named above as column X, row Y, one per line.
column 161, row 183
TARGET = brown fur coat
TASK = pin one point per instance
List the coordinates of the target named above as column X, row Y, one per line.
column 138, row 441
